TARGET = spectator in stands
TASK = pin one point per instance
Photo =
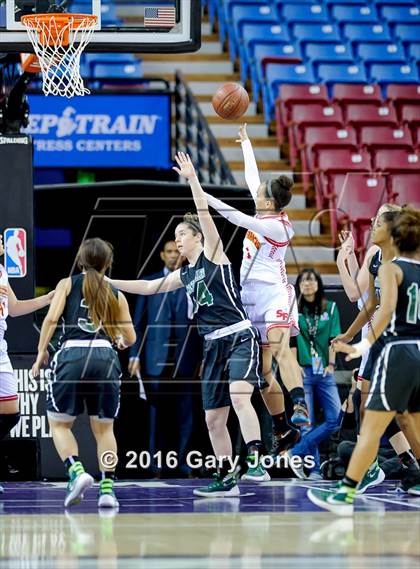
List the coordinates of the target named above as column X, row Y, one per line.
column 319, row 323
column 168, row 353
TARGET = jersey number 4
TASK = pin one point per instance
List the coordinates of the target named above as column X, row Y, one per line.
column 203, row 297
column 413, row 309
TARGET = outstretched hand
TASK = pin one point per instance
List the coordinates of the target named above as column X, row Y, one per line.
column 186, row 167
column 243, row 135
column 347, row 243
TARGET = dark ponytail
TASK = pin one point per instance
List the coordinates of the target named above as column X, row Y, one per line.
column 94, row 257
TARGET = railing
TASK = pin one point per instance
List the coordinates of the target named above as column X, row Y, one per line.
column 194, row 136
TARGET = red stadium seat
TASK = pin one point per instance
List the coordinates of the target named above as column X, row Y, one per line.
column 356, row 93
column 411, row 114
column 385, row 136
column 401, row 94
column 397, row 160
column 296, row 94
column 317, row 137
column 337, row 161
column 416, row 136
column 370, row 114
column 302, row 116
column 405, row 188
column 357, row 197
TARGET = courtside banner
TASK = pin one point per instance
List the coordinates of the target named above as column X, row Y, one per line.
column 110, row 130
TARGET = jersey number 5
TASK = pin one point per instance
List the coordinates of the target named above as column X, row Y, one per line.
column 204, row 296
column 413, row 309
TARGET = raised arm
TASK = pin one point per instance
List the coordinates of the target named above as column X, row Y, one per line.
column 252, row 176
column 213, row 245
column 276, row 229
column 165, row 284
column 355, row 280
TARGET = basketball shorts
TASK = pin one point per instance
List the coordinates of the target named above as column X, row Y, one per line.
column 84, row 376
column 232, row 358
column 271, row 306
column 396, row 378
column 8, row 383
column 374, row 353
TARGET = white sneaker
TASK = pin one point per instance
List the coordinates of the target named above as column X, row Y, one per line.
column 76, row 489
column 108, row 500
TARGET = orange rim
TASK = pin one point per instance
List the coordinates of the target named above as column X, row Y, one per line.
column 56, row 22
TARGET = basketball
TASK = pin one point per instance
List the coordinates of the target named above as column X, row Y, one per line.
column 230, row 101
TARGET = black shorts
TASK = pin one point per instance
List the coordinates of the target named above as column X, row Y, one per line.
column 396, row 378
column 82, row 376
column 374, row 353
column 233, row 358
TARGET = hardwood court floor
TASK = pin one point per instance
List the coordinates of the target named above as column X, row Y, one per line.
column 160, row 525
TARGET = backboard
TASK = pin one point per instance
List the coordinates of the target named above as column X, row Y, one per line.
column 128, row 26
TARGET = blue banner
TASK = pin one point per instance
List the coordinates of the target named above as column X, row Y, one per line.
column 101, row 131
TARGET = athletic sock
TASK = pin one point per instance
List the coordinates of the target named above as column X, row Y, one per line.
column 407, row 459
column 224, row 468
column 73, row 464
column 298, row 396
column 349, row 483
column 106, row 485
column 280, row 423
column 254, row 450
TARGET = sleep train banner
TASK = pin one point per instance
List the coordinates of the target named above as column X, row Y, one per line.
column 34, row 423
column 97, row 131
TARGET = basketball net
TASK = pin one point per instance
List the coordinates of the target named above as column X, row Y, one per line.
column 58, row 41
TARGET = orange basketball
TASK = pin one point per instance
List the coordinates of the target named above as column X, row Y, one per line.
column 230, row 101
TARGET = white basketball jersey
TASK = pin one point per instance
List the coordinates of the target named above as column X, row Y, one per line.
column 263, row 258
column 4, row 305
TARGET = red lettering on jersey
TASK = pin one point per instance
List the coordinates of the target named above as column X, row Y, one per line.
column 253, row 238
column 281, row 314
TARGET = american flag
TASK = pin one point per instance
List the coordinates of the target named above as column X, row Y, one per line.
column 159, row 17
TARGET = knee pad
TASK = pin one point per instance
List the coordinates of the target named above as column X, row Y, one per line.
column 7, row 422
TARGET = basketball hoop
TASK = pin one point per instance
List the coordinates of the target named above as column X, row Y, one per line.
column 58, row 41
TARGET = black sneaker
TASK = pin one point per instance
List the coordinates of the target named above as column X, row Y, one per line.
column 283, row 441
column 410, row 481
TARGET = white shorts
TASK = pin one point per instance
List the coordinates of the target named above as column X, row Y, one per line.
column 271, row 306
column 8, row 383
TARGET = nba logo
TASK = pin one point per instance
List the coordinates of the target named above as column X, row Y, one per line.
column 15, row 252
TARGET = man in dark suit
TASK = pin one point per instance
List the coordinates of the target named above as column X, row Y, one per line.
column 167, row 353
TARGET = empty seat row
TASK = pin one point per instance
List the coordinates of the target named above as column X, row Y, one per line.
column 355, row 197
column 277, row 74
column 254, row 54
column 315, row 31
column 316, row 97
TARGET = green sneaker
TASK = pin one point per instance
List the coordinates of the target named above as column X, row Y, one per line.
column 219, row 487
column 374, row 476
column 339, row 501
column 256, row 473
column 79, row 482
column 106, row 496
